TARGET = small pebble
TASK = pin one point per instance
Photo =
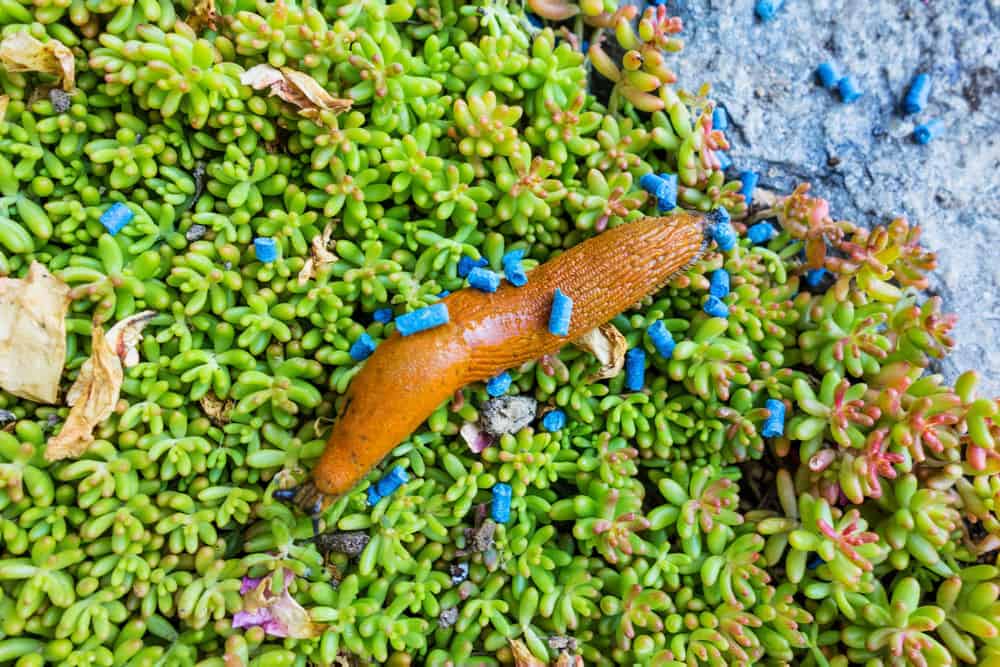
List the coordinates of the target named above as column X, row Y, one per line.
column 500, row 507
column 484, row 280
column 925, row 132
column 766, row 9
column 466, row 264
column 918, row 94
column 61, row 101
column 449, row 616
column 351, row 542
column 383, row 315
column 716, row 307
column 362, row 348
column 662, row 339
column 720, row 120
column 195, row 232
column 512, row 270
column 498, row 386
column 748, row 181
column 635, row 369
column 6, row 417
column 828, row 75
column 265, row 248
column 762, row 232
column 719, row 284
column 422, row 319
column 848, row 89
column 116, row 217
column 562, row 313
column 459, row 572
column 774, row 425
column 507, row 414
column 554, row 420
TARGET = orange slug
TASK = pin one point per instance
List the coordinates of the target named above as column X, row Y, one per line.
column 407, row 378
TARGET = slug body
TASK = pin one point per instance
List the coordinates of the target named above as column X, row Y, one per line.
column 407, row 378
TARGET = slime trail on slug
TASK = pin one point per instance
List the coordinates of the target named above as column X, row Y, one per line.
column 407, row 378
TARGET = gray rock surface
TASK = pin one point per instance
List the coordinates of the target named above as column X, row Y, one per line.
column 862, row 156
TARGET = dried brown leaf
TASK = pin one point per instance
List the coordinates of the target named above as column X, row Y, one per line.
column 522, row 656
column 608, row 344
column 20, row 52
column 295, row 88
column 92, row 399
column 33, row 334
column 203, row 15
column 217, row 410
column 125, row 336
column 319, row 255
column 279, row 614
column 567, row 660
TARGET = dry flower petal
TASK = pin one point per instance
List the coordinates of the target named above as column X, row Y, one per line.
column 608, row 344
column 319, row 255
column 295, row 88
column 33, row 334
column 522, row 656
column 92, row 399
column 20, row 52
column 203, row 15
column 476, row 438
column 567, row 660
column 279, row 615
column 125, row 336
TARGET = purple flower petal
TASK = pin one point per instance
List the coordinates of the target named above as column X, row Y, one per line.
column 251, row 619
column 249, row 584
column 477, row 439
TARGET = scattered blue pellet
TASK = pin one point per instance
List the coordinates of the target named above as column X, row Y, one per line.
column 666, row 199
column 716, row 307
column 653, row 184
column 443, row 293
column 663, row 341
column 719, row 284
column 116, row 217
column 534, row 20
column 848, row 89
column 562, row 312
column 362, row 348
column 373, row 496
column 554, row 420
column 721, row 231
column 498, row 386
column 265, row 248
column 925, row 132
column 720, row 121
column 828, row 75
column 422, row 319
column 762, row 232
column 383, row 315
column 635, row 369
column 815, row 276
column 725, row 162
column 500, row 507
column 748, row 180
column 917, row 95
column 386, row 486
column 512, row 269
column 466, row 264
column 484, row 280
column 766, row 9
column 815, row 562
column 774, row 425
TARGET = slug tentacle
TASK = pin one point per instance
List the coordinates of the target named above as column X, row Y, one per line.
column 406, row 379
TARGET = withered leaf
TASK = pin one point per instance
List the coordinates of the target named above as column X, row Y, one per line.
column 20, row 52
column 203, row 15
column 280, row 615
column 33, row 334
column 92, row 398
column 608, row 344
column 216, row 409
column 319, row 255
column 522, row 656
column 295, row 88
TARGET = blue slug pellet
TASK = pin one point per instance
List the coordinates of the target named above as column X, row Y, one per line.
column 748, row 181
column 498, row 386
column 500, row 507
column 716, row 307
column 720, row 121
column 562, row 312
column 466, row 264
column 422, row 319
column 774, row 425
column 918, row 94
column 719, row 284
column 815, row 562
column 655, row 186
column 661, row 338
column 766, row 9
column 386, row 486
column 762, row 232
column 554, row 420
column 666, row 199
column 484, row 280
column 383, row 315
column 848, row 89
column 725, row 162
column 635, row 369
column 362, row 348
column 928, row 131
column 265, row 248
column 443, row 293
column 116, row 217
column 512, row 270
column 721, row 231
column 815, row 276
column 827, row 75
